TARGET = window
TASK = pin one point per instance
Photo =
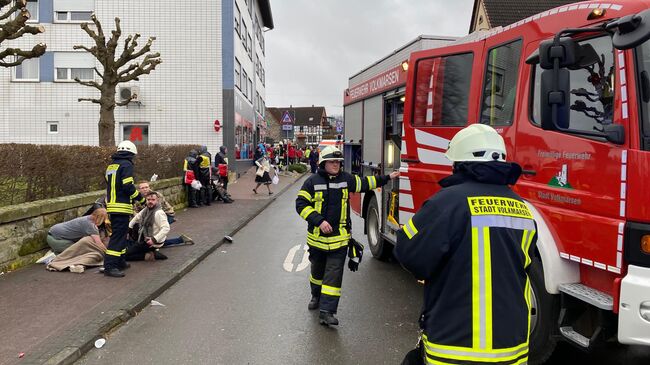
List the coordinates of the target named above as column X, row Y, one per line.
column 442, row 87
column 244, row 77
column 237, row 20
column 592, row 90
column 71, row 65
column 643, row 71
column 73, row 16
column 243, row 35
column 237, row 73
column 250, row 46
column 52, row 127
column 136, row 133
column 250, row 89
column 73, row 11
column 32, row 7
column 28, row 70
column 500, row 84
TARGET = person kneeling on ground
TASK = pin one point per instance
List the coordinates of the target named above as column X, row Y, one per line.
column 144, row 188
column 63, row 235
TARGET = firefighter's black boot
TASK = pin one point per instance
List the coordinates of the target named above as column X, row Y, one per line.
column 313, row 303
column 327, row 319
column 114, row 272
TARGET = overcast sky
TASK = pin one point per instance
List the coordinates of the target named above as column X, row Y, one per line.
column 317, row 45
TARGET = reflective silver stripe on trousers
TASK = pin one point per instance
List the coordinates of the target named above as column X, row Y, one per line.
column 501, row 221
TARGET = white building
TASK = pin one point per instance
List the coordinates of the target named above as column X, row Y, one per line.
column 213, row 69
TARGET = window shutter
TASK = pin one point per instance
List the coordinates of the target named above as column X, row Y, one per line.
column 46, row 65
column 74, row 5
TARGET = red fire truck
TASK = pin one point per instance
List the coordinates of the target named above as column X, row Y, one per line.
column 569, row 91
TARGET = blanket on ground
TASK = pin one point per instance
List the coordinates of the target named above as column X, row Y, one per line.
column 83, row 252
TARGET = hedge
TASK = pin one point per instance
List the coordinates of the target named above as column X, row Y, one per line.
column 297, row 167
column 30, row 172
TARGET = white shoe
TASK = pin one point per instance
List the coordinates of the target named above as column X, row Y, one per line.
column 77, row 269
column 49, row 256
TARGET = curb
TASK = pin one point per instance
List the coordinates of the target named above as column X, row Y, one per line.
column 113, row 320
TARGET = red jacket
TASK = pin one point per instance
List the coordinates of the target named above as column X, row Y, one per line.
column 292, row 152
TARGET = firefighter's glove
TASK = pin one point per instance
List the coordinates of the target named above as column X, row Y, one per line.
column 355, row 254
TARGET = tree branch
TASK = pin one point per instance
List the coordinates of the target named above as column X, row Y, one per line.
column 21, row 55
column 94, row 101
column 92, row 51
column 123, row 103
column 88, row 83
column 147, row 66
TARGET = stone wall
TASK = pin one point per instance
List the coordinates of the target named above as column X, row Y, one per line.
column 23, row 227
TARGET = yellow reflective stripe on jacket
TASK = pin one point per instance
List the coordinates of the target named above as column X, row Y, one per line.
column 526, row 241
column 528, row 298
column 305, row 194
column 344, row 235
column 326, row 246
column 372, row 182
column 357, row 188
column 459, row 353
column 119, row 208
column 135, row 193
column 330, row 290
column 306, row 212
column 128, row 180
column 409, row 229
column 344, row 208
column 315, row 281
column 318, row 202
column 481, row 288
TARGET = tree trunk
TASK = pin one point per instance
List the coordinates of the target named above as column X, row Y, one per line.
column 107, row 118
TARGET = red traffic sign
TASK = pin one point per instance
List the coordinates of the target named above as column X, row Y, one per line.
column 217, row 125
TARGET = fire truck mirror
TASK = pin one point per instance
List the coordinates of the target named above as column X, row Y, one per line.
column 565, row 50
column 631, row 30
column 558, row 117
column 586, row 57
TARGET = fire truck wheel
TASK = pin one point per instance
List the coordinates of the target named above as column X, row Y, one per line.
column 544, row 316
column 378, row 246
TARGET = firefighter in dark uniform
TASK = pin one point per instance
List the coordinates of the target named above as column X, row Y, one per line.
column 205, row 174
column 472, row 244
column 120, row 194
column 323, row 203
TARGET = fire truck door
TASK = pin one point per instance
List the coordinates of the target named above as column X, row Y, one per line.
column 578, row 183
column 442, row 102
column 393, row 118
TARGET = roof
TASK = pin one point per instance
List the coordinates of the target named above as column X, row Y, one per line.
column 505, row 12
column 302, row 114
column 267, row 16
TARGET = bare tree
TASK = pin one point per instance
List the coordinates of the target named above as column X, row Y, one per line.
column 13, row 25
column 115, row 71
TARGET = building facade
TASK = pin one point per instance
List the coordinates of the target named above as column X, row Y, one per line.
column 309, row 124
column 178, row 103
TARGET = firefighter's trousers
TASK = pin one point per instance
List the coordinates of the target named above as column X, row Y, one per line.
column 327, row 276
column 118, row 242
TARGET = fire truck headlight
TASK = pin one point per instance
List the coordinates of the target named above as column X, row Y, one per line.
column 645, row 311
column 405, row 65
column 645, row 244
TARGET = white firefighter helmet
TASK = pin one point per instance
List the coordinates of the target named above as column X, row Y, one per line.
column 330, row 153
column 477, row 143
column 127, row 146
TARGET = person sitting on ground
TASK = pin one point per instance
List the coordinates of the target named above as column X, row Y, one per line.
column 151, row 234
column 144, row 189
column 63, row 235
column 84, row 253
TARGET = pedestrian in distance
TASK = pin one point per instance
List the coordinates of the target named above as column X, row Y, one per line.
column 323, row 203
column 262, row 175
column 472, row 244
column 313, row 160
column 205, row 174
column 221, row 163
column 121, row 193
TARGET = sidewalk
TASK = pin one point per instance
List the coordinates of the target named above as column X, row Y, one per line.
column 54, row 317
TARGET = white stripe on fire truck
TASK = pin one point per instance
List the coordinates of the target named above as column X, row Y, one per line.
column 406, row 200
column 623, row 195
column 403, row 150
column 596, row 264
column 405, row 216
column 433, row 157
column 431, row 140
column 404, row 183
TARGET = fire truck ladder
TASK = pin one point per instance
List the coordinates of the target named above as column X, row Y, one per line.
column 577, row 319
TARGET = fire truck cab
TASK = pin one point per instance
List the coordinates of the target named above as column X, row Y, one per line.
column 569, row 91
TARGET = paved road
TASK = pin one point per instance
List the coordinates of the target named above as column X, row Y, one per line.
column 246, row 305
column 241, row 306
